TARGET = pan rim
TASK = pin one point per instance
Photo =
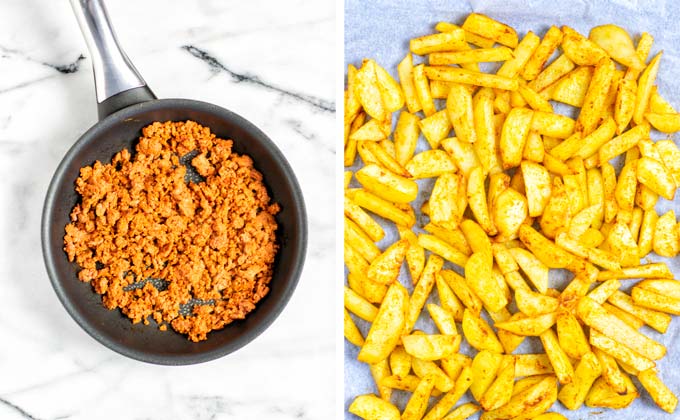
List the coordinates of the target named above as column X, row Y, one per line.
column 298, row 253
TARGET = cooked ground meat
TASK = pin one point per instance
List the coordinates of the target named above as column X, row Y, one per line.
column 212, row 242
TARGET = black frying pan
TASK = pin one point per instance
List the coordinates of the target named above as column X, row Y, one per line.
column 125, row 105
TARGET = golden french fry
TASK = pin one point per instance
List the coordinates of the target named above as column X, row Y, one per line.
column 594, row 101
column 429, row 164
column 370, row 407
column 360, row 241
column 479, row 334
column 453, row 40
column 573, row 395
column 470, row 77
column 443, row 249
column 545, row 250
column 387, row 185
column 657, row 320
column 570, row 335
column 655, row 301
column 379, row 371
column 662, row 396
column 405, row 382
column 460, row 287
column 671, row 157
column 449, row 301
column 530, row 325
column 446, row 403
column 477, row 238
column 625, row 104
column 422, row 291
column 666, row 287
column 499, row 392
column 623, row 142
column 644, row 90
column 646, row 271
column 558, row 358
column 551, row 40
column 610, row 326
column 423, row 368
column 431, row 346
column 417, row 404
column 352, row 333
column 522, row 54
column 463, row 411
column 423, row 93
column 383, row 208
column 459, row 110
column 532, row 267
column 387, row 327
column 405, row 72
column 359, row 306
column 443, row 318
column 480, row 55
column 560, row 67
column 537, row 186
column 553, row 125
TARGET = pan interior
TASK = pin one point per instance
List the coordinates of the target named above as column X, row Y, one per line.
column 121, row 130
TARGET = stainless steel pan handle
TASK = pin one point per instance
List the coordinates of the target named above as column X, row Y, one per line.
column 114, row 74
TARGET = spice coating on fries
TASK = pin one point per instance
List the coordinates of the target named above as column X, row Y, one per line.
column 516, row 190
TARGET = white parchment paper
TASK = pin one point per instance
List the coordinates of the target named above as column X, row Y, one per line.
column 381, row 29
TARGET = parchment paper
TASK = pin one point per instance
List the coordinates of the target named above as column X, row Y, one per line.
column 380, row 29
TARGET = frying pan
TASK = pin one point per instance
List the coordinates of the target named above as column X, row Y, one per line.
column 125, row 105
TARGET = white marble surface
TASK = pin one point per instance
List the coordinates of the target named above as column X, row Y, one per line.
column 49, row 367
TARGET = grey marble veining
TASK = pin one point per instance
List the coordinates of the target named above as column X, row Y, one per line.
column 271, row 62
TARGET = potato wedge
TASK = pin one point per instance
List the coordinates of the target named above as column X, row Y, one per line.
column 393, row 97
column 570, row 335
column 435, row 128
column 617, row 43
column 478, row 276
column 479, row 334
column 387, row 185
column 383, row 208
column 530, row 325
column 431, row 346
column 446, row 403
column 602, row 394
column 525, row 401
column 665, row 240
column 572, row 88
column 499, row 392
column 514, row 135
column 387, row 327
column 352, row 333
column 367, row 91
column 400, row 362
column 579, row 49
column 492, row 29
column 596, row 95
column 451, row 304
column 423, row 93
column 421, row 292
column 508, row 212
column 525, row 49
column 370, row 407
column 429, row 164
column 485, row 366
column 558, row 358
column 385, row 268
column 453, row 40
column 656, row 177
column 587, row 371
column 536, row 271
column 469, row 77
column 460, row 287
column 533, row 304
column 417, row 404
column 459, row 110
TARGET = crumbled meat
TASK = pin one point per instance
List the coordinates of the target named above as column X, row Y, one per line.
column 139, row 219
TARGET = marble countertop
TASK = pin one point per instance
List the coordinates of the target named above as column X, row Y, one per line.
column 272, row 62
